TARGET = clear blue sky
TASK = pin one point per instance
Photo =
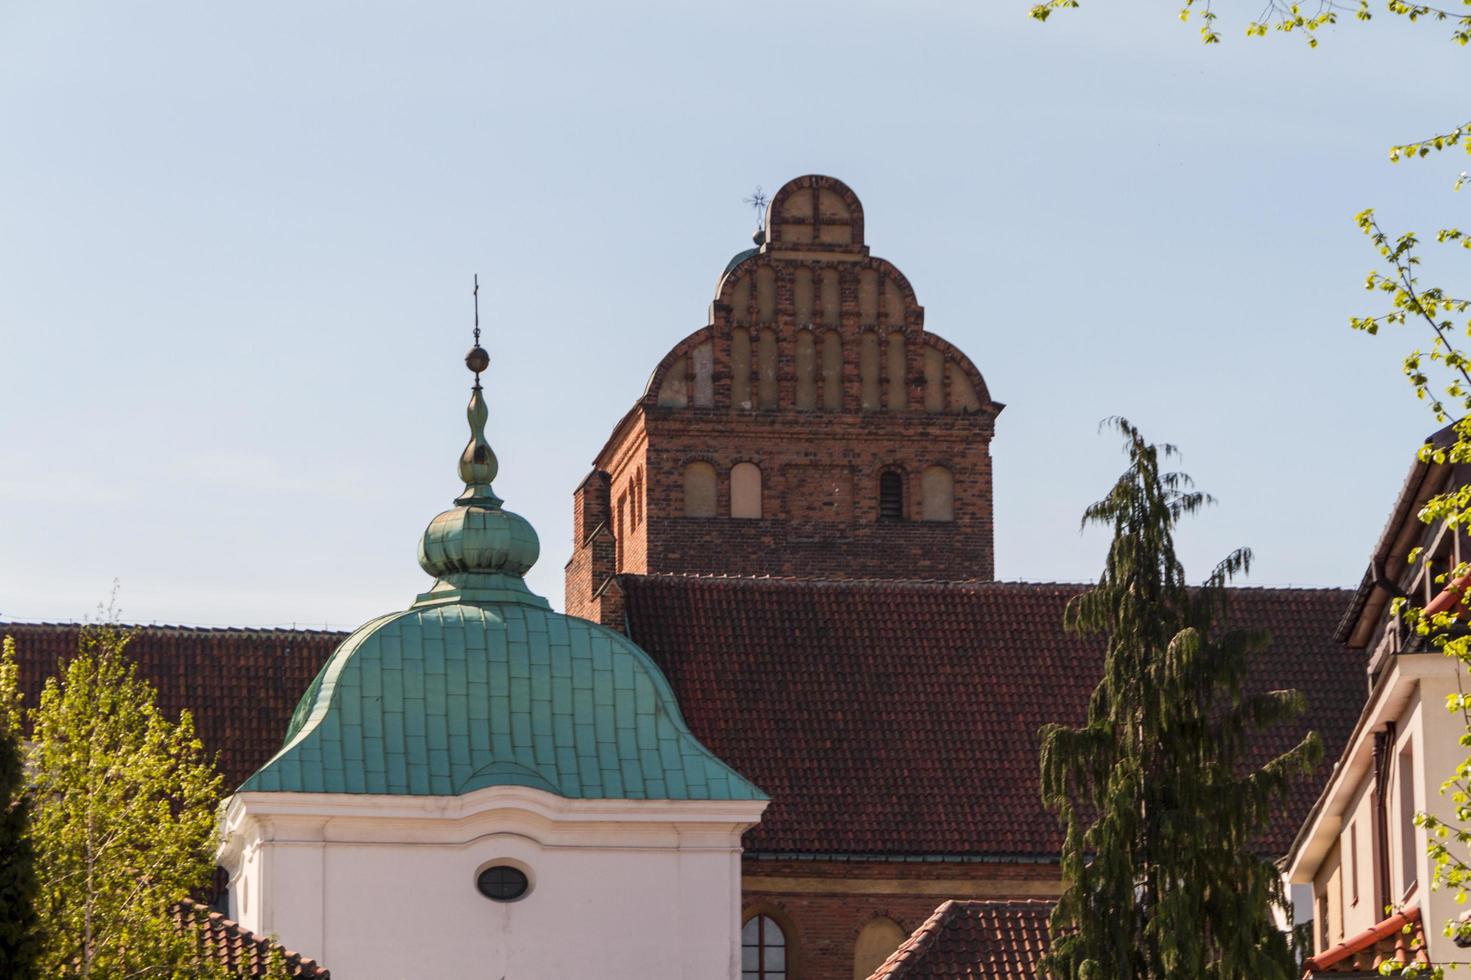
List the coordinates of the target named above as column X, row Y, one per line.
column 238, row 242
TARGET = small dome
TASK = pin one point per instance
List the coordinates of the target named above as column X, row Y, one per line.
column 480, row 684
column 442, row 700
column 468, row 540
column 477, row 542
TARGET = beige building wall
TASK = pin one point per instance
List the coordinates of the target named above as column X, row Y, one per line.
column 1338, row 850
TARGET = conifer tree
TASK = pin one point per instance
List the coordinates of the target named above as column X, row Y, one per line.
column 1160, row 878
column 20, row 941
column 124, row 819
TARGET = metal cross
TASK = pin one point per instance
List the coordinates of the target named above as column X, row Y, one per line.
column 757, row 201
column 476, row 294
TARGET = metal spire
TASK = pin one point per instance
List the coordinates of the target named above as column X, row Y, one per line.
column 477, row 360
column 757, row 202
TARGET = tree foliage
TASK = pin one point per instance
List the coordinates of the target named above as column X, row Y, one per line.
column 124, row 819
column 1438, row 370
column 1160, row 878
column 20, row 938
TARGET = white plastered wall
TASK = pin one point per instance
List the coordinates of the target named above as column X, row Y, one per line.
column 383, row 887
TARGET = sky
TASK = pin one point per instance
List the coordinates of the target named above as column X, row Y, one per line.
column 238, row 242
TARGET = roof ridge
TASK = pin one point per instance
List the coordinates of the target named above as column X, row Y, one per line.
column 818, row 580
column 173, row 627
column 918, row 943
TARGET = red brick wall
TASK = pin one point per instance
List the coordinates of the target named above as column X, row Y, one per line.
column 820, row 465
column 822, row 905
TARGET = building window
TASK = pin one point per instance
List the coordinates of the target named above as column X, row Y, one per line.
column 638, row 496
column 876, row 941
column 502, row 883
column 699, row 490
column 1409, row 853
column 618, row 540
column 937, row 493
column 745, row 490
column 891, row 496
column 763, row 950
column 1353, row 863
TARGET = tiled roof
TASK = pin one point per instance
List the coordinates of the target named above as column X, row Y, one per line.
column 240, row 684
column 1397, row 939
column 892, row 718
column 237, row 949
column 973, row 941
column 441, row 700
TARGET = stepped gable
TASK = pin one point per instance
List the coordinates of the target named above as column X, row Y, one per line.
column 894, row 719
column 812, row 426
column 973, row 941
column 240, row 684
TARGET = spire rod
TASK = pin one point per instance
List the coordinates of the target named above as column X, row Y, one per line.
column 477, row 360
column 757, row 203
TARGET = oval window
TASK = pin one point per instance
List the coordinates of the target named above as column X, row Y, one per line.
column 502, row 883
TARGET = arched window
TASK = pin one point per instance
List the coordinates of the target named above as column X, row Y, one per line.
column 891, row 496
column 876, row 941
column 937, row 494
column 638, row 496
column 763, row 949
column 745, row 490
column 699, row 490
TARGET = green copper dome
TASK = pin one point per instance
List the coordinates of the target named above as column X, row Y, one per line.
column 478, row 683
column 477, row 538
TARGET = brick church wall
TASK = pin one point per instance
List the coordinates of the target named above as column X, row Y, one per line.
column 822, row 905
column 816, row 368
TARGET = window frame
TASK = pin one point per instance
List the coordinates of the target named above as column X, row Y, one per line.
column 786, row 971
column 895, row 474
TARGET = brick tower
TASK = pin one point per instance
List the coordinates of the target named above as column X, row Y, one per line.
column 812, row 428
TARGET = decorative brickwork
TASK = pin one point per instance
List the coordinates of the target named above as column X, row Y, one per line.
column 815, row 366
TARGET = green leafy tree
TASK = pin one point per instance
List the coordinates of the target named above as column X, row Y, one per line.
column 1436, row 368
column 20, row 939
column 1160, row 878
column 124, row 822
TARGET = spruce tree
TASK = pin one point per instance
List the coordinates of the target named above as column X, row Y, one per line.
column 1161, row 815
column 124, row 821
column 20, row 941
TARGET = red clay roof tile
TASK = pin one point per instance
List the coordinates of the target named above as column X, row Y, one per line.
column 240, row 684
column 973, row 940
column 901, row 718
column 237, row 949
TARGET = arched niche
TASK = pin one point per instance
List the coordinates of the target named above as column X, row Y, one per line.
column 937, row 494
column 699, row 489
column 878, row 938
column 745, row 490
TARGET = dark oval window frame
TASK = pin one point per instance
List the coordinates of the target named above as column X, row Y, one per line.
column 503, row 882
